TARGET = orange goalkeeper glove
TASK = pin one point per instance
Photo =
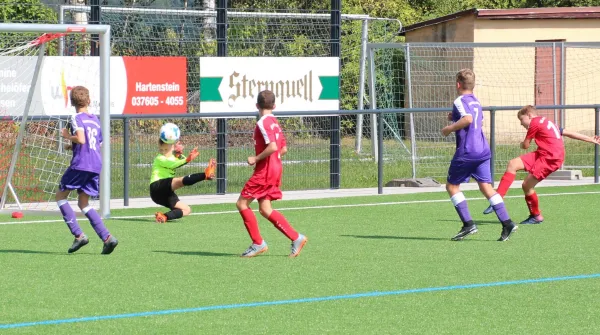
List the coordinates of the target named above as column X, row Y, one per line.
column 193, row 154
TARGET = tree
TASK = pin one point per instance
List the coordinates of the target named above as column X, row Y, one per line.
column 26, row 11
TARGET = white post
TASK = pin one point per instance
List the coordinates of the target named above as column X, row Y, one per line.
column 105, row 122
column 413, row 140
column 373, row 103
column 361, row 83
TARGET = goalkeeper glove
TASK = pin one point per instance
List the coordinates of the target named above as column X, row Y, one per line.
column 193, row 154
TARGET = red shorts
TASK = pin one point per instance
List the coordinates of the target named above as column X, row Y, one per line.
column 253, row 190
column 540, row 166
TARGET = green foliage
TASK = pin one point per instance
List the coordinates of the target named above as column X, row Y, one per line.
column 26, row 11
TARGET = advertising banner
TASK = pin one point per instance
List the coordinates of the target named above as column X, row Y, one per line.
column 231, row 84
column 138, row 85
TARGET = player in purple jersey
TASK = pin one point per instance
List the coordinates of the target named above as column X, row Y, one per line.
column 83, row 174
column 472, row 158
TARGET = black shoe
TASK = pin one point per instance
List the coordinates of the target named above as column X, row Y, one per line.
column 78, row 243
column 507, row 230
column 464, row 232
column 109, row 245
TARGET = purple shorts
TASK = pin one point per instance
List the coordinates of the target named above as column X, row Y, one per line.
column 82, row 181
column 461, row 172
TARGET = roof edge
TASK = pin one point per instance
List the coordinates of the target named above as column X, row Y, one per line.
column 437, row 20
column 513, row 14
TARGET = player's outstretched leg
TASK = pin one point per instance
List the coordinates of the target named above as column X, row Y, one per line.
column 508, row 226
column 460, row 205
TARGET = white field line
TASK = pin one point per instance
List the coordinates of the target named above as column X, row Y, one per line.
column 315, row 207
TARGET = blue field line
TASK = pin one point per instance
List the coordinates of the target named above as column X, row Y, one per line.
column 293, row 301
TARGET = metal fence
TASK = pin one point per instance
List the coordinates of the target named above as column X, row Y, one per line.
column 307, row 163
column 306, row 166
column 423, row 75
column 400, row 76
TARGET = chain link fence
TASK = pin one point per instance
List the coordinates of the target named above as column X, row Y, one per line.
column 423, row 75
column 255, row 29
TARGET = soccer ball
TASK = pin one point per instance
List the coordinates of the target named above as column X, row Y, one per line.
column 169, row 133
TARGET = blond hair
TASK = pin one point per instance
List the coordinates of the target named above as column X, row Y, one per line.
column 466, row 79
column 527, row 110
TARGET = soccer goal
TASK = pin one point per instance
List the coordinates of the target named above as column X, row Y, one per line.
column 34, row 106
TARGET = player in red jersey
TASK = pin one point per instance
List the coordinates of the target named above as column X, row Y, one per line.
column 269, row 146
column 548, row 158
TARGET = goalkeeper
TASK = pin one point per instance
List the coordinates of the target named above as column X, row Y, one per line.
column 163, row 183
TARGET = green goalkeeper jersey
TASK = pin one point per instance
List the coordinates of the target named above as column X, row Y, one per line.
column 164, row 167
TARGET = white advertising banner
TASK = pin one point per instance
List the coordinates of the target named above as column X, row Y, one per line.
column 231, row 84
column 138, row 85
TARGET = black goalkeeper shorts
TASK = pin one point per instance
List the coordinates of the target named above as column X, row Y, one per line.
column 162, row 193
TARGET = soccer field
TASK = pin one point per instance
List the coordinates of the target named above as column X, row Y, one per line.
column 373, row 265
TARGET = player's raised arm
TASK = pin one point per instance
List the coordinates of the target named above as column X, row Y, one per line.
column 166, row 163
column 581, row 137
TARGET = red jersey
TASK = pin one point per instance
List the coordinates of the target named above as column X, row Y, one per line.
column 269, row 170
column 548, row 138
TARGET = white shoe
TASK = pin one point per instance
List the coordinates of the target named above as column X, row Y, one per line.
column 255, row 250
column 297, row 245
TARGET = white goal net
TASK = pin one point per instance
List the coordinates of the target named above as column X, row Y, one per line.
column 35, row 87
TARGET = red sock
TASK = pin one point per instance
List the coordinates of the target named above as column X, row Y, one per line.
column 251, row 225
column 279, row 221
column 505, row 182
column 533, row 204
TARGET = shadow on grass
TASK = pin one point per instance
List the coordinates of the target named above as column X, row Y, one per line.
column 417, row 238
column 479, row 222
column 20, row 251
column 197, row 253
column 145, row 220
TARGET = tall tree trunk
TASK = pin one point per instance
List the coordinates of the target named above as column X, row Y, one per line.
column 209, row 24
column 80, row 17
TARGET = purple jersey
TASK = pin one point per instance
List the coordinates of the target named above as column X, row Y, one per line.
column 471, row 144
column 86, row 157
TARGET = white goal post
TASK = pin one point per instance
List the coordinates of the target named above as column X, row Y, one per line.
column 21, row 46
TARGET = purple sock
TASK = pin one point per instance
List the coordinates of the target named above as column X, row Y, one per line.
column 463, row 212
column 96, row 222
column 498, row 206
column 460, row 204
column 69, row 217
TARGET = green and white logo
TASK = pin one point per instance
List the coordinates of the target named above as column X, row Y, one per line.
column 231, row 84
